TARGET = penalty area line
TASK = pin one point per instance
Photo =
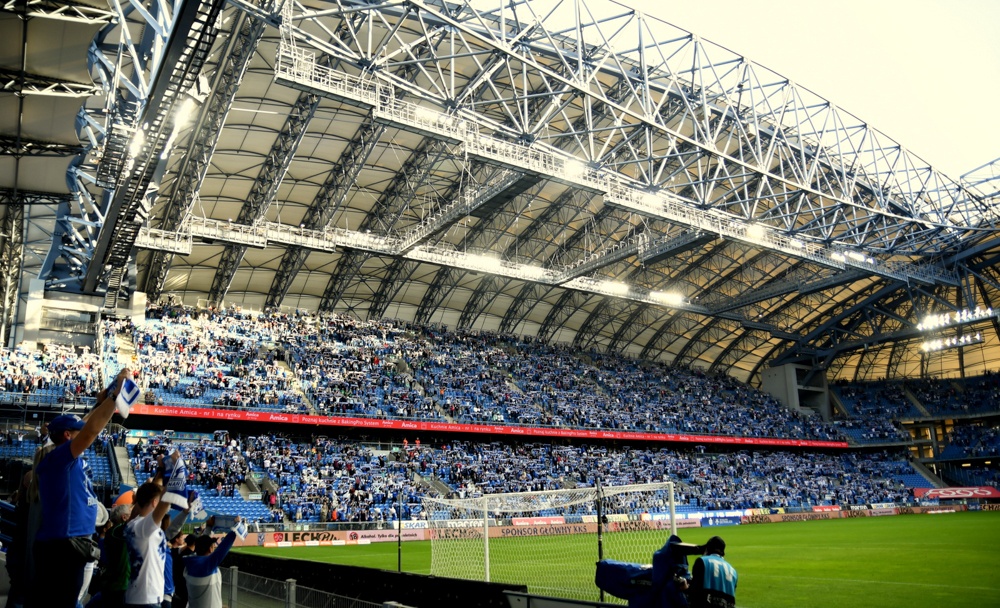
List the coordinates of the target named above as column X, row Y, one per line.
column 873, row 582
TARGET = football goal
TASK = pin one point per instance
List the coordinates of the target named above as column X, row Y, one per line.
column 550, row 540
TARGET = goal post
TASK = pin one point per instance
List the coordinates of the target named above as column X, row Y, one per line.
column 549, row 540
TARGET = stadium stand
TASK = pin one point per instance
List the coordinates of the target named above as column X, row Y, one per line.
column 341, row 480
column 381, row 369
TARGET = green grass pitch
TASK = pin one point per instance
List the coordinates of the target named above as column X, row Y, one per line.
column 888, row 562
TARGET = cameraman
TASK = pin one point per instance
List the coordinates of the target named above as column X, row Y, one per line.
column 713, row 583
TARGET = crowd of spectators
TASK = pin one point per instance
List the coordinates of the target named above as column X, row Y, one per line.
column 873, row 410
column 341, row 480
column 738, row 480
column 336, row 365
column 973, row 441
column 950, row 397
column 62, row 371
column 329, row 480
column 387, row 369
column 219, row 359
column 217, row 467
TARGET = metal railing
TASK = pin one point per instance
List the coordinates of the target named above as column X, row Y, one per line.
column 243, row 590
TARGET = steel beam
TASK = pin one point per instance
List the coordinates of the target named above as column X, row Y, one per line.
column 22, row 83
column 9, row 196
column 21, row 147
column 383, row 216
column 331, row 196
column 59, row 10
column 11, row 261
column 198, row 156
column 188, row 46
column 265, row 188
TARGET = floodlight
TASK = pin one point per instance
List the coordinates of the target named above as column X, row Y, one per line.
column 574, row 168
column 613, row 288
column 756, row 232
column 138, row 141
column 669, row 298
column 423, row 114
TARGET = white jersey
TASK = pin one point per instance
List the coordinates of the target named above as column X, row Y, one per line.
column 204, row 591
column 147, row 554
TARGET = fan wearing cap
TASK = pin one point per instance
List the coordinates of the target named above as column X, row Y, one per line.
column 714, row 580
column 201, row 570
column 68, row 503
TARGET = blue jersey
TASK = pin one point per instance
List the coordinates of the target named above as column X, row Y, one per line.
column 714, row 582
column 69, row 506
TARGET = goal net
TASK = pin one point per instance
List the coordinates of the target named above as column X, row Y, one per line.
column 551, row 540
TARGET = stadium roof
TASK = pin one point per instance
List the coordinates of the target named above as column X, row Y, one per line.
column 571, row 170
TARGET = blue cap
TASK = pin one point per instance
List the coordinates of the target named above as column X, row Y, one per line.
column 66, row 422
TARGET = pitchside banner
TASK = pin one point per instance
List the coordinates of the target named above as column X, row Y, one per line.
column 956, row 493
column 488, row 429
column 537, row 521
column 711, row 522
column 853, row 512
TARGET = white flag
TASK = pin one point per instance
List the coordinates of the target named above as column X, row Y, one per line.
column 127, row 397
column 176, row 490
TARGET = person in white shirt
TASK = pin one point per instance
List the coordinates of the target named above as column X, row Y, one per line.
column 201, row 570
column 147, row 547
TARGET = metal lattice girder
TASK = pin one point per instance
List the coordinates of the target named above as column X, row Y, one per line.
column 444, row 277
column 445, row 280
column 717, row 335
column 448, row 278
column 614, row 252
column 9, row 196
column 383, row 216
column 331, row 196
column 608, row 312
column 19, row 147
column 834, row 280
column 775, row 289
column 526, row 299
column 686, row 267
column 985, row 180
column 190, row 40
column 61, row 10
column 486, row 291
column 477, row 199
column 773, row 152
column 674, row 328
column 347, row 270
column 522, row 244
column 568, row 304
column 19, row 83
column 988, row 301
column 831, row 331
column 390, row 286
column 638, row 322
column 11, row 257
column 605, row 215
column 187, row 183
column 747, row 343
column 594, row 325
column 265, row 188
column 526, row 245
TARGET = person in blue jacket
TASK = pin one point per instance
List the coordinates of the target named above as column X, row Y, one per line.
column 713, row 582
column 201, row 570
column 63, row 543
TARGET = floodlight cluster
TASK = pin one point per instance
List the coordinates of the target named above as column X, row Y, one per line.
column 966, row 340
column 938, row 321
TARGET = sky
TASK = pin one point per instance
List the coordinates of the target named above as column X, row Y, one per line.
column 924, row 72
